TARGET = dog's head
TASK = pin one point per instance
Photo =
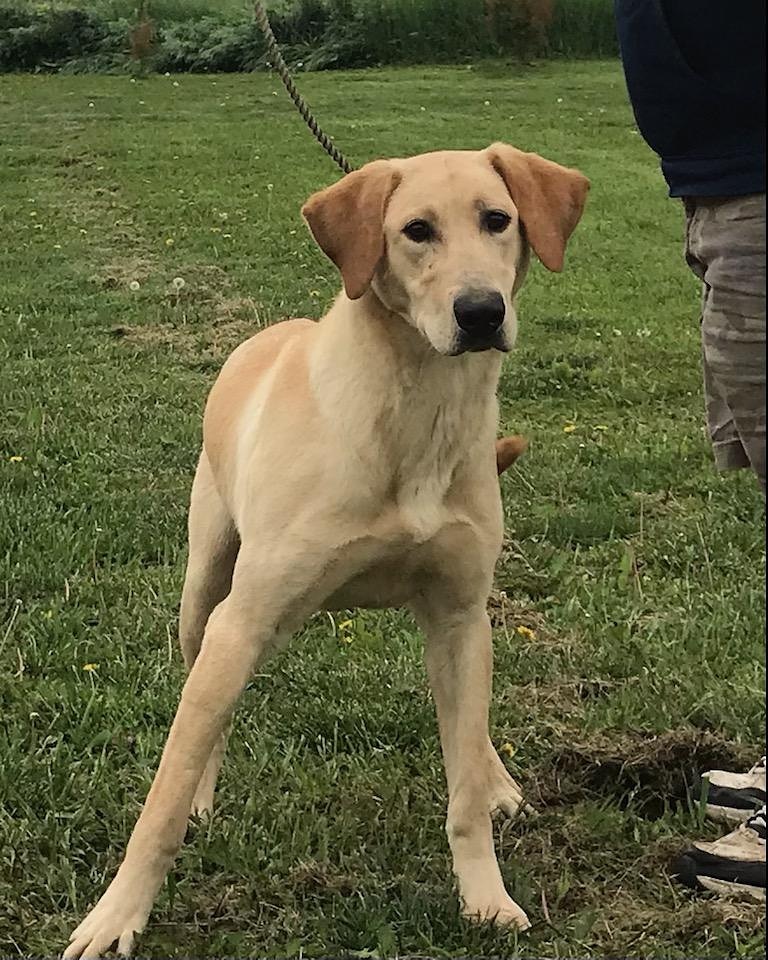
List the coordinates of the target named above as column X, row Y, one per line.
column 443, row 238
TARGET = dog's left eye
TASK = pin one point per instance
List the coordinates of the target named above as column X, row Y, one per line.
column 496, row 221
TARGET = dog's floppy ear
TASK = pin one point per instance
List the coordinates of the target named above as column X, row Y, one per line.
column 347, row 221
column 549, row 198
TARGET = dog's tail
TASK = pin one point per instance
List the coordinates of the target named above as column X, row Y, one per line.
column 508, row 449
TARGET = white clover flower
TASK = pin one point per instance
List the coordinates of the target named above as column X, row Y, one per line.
column 134, row 285
column 178, row 283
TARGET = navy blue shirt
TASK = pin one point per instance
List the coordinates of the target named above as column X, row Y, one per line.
column 695, row 71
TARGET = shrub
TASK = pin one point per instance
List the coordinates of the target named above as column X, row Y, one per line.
column 320, row 34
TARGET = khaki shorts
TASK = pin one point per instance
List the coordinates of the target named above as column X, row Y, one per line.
column 725, row 248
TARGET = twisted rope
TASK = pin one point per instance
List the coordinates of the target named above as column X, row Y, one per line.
column 301, row 105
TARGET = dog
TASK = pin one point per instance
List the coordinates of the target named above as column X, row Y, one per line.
column 350, row 463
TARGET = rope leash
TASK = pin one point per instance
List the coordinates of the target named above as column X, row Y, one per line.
column 301, row 105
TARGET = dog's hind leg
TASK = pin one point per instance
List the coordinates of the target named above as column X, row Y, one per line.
column 213, row 547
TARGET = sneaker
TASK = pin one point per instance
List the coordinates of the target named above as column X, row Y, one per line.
column 733, row 797
column 733, row 866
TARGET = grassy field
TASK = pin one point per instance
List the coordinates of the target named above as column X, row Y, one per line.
column 630, row 605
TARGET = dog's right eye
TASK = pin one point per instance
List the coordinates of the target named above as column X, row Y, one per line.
column 419, row 231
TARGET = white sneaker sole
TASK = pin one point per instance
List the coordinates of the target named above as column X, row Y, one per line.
column 727, row 814
column 733, row 891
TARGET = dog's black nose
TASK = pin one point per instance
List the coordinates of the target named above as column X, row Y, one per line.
column 479, row 313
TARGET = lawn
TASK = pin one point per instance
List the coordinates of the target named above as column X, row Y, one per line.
column 630, row 593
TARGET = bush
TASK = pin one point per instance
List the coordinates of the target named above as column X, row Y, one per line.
column 45, row 39
column 319, row 34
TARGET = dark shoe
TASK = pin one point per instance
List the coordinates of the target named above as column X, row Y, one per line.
column 733, row 866
column 733, row 797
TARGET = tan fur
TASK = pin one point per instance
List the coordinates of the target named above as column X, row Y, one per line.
column 350, row 462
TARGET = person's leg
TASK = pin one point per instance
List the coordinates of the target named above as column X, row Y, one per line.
column 725, row 248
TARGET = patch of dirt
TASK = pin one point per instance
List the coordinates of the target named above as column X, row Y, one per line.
column 655, row 771
column 75, row 160
column 634, row 923
column 207, row 344
column 124, row 271
column 321, row 877
column 509, row 614
column 241, row 309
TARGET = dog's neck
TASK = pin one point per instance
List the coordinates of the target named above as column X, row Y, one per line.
column 431, row 411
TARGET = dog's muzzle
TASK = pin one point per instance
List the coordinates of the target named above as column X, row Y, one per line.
column 480, row 318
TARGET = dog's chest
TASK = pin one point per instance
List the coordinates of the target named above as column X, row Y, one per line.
column 389, row 582
column 413, row 548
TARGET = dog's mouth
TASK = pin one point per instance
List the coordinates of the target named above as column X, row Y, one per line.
column 467, row 344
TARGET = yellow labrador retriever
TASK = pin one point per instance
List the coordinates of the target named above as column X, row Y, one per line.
column 350, row 463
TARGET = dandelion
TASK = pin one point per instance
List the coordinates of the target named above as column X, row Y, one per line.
column 526, row 632
column 569, row 428
column 507, row 749
column 178, row 283
column 90, row 667
column 16, row 459
column 134, row 285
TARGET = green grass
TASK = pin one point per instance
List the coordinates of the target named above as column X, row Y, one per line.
column 636, row 570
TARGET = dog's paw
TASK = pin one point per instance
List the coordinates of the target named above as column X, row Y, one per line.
column 506, row 797
column 116, row 918
column 502, row 913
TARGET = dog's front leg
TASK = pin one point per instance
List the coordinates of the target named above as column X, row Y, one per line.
column 230, row 649
column 459, row 664
column 273, row 591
